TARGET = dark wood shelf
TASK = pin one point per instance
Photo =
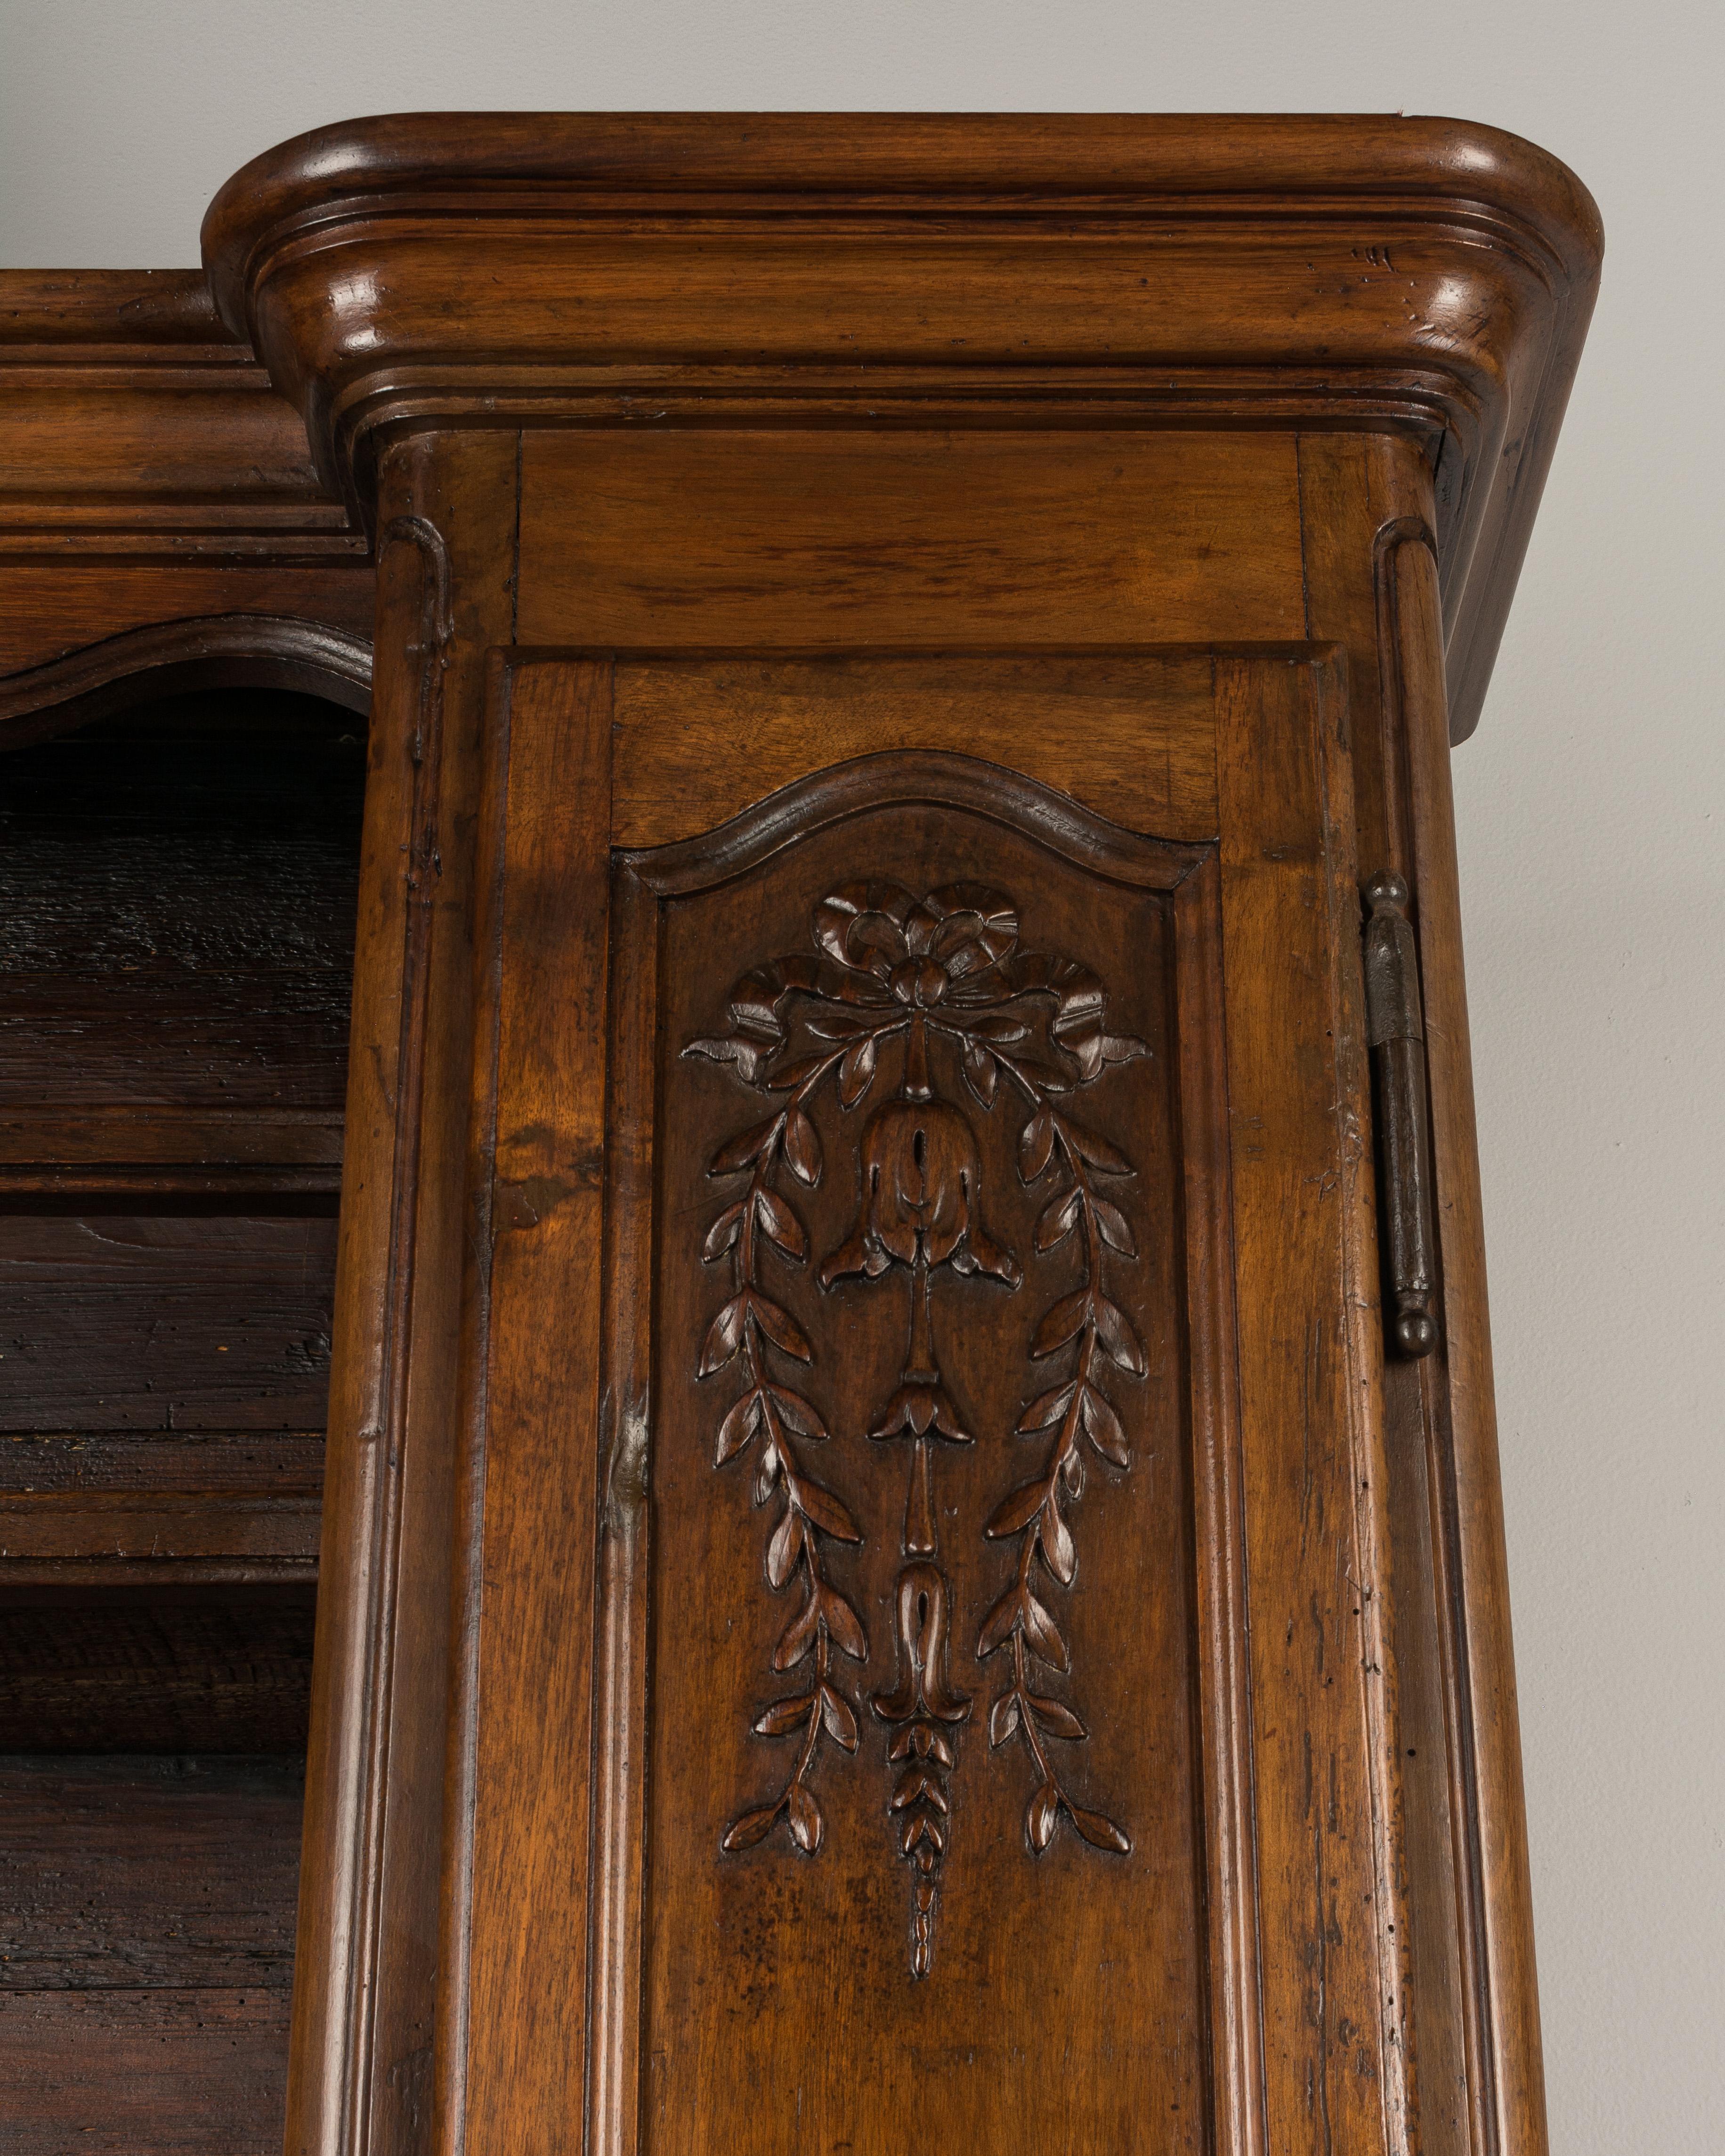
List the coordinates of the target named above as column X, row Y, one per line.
column 165, row 1536
column 132, row 2018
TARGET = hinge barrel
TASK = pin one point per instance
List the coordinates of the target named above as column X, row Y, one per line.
column 1395, row 1032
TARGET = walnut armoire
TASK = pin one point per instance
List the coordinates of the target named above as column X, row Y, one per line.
column 910, row 1546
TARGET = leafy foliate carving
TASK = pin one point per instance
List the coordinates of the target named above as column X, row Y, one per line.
column 923, row 1711
column 1089, row 1332
column 921, row 1185
column 937, row 992
column 754, row 1335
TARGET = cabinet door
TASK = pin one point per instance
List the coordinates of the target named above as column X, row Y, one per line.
column 924, row 1690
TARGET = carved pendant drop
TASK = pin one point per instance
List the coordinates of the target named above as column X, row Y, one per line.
column 936, row 992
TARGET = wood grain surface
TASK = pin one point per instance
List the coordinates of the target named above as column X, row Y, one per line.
column 130, row 2019
column 160, row 521
column 1418, row 276
column 366, row 2000
column 710, row 1927
column 1191, row 533
column 170, row 1322
column 1313, row 1433
column 546, row 950
column 179, row 886
column 696, row 740
column 1066, row 1995
column 106, row 1657
column 822, row 569
column 180, row 891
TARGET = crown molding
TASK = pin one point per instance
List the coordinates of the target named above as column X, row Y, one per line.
column 506, row 269
column 161, row 523
column 135, row 425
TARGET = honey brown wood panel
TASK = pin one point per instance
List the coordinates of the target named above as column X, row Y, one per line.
column 1368, row 500
column 377, row 1753
column 874, row 452
column 1371, row 556
column 216, row 427
column 123, row 393
column 1502, row 2027
column 1351, row 271
column 819, row 536
column 1134, row 738
column 159, row 518
column 968, row 388
column 56, row 611
column 1092, row 1498
column 1325, row 1796
column 529, row 1570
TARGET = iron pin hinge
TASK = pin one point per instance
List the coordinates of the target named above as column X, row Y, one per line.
column 1395, row 1031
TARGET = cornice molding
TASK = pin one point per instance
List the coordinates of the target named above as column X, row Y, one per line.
column 496, row 270
column 134, row 425
column 161, row 523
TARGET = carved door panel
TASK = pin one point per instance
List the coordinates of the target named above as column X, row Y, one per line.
column 920, row 1690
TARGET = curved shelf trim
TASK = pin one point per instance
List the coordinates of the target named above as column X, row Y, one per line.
column 249, row 650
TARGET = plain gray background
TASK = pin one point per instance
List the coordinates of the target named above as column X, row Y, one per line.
column 1589, row 801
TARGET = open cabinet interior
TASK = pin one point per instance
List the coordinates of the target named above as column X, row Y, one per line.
column 178, row 882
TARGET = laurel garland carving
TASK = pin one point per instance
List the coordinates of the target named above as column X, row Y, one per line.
column 941, row 979
column 1097, row 1331
column 770, row 1416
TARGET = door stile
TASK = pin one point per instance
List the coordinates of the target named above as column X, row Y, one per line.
column 466, row 1574
column 1362, row 1309
column 524, row 1975
column 1311, row 1413
column 1224, row 1676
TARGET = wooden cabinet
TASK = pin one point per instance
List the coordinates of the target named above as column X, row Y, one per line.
column 910, row 1553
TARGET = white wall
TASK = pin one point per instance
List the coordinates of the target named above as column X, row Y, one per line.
column 1592, row 801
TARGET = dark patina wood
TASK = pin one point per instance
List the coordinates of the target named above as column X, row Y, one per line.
column 130, row 2016
column 180, row 889
column 160, row 526
column 179, row 886
column 964, row 390
column 878, row 1582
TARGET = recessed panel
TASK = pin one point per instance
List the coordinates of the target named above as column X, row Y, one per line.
column 920, row 1752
